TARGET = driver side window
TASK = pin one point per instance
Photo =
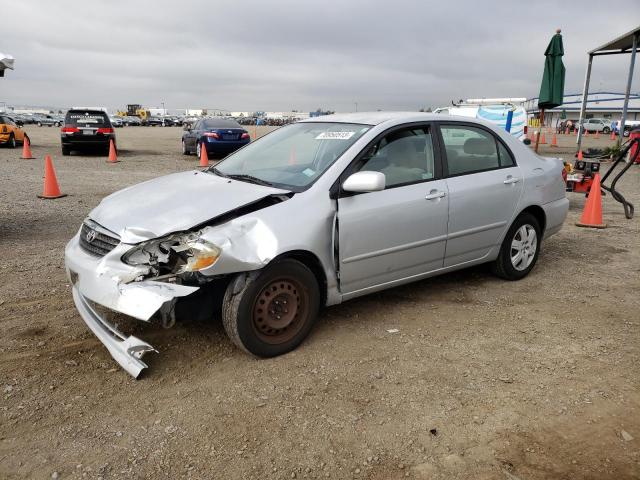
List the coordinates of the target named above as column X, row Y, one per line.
column 404, row 156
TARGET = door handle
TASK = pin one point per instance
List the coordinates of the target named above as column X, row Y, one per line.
column 435, row 194
column 511, row 180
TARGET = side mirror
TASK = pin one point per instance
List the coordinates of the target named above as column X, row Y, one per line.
column 364, row 181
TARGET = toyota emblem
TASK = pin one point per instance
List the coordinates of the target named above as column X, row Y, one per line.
column 91, row 236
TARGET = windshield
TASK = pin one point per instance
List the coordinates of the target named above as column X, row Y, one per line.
column 294, row 156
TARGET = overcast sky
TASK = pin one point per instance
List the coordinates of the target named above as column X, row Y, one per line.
column 300, row 54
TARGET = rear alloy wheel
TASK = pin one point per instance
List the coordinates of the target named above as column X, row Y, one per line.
column 606, row 130
column 198, row 148
column 270, row 312
column 39, row 124
column 520, row 248
column 184, row 148
column 12, row 141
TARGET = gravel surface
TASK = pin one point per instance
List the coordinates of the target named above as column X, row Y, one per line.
column 483, row 378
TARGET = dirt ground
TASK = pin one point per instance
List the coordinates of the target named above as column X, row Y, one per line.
column 484, row 379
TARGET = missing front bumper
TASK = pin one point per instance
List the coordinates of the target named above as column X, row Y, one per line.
column 127, row 351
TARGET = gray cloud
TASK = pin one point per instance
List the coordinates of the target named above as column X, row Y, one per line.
column 280, row 55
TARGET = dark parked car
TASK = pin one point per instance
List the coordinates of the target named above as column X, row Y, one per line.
column 219, row 136
column 86, row 129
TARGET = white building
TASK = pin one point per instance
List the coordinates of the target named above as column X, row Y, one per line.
column 599, row 105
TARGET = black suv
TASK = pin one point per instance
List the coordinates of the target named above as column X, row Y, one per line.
column 86, row 129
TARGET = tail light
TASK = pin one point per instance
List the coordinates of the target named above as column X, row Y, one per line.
column 211, row 135
column 526, row 129
column 105, row 130
column 69, row 129
column 244, row 136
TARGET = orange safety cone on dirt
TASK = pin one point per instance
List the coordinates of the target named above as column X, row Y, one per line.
column 575, row 131
column 51, row 189
column 543, row 140
column 592, row 213
column 566, row 131
column 613, row 135
column 580, row 156
column 204, row 158
column 554, row 141
column 586, row 132
column 597, row 134
column 113, row 156
column 26, row 149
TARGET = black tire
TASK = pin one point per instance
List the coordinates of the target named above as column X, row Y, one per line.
column 257, row 311
column 626, row 133
column 606, row 130
column 198, row 147
column 11, row 143
column 185, row 150
column 39, row 124
column 504, row 265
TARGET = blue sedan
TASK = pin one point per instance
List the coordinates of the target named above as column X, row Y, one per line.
column 219, row 136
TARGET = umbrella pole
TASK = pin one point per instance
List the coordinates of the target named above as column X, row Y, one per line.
column 541, row 125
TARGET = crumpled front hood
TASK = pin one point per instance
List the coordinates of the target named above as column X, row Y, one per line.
column 173, row 203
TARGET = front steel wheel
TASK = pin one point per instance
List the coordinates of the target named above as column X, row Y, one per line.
column 520, row 248
column 270, row 312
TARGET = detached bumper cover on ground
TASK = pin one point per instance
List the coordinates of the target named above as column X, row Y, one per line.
column 103, row 280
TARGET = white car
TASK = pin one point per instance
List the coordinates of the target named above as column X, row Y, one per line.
column 313, row 214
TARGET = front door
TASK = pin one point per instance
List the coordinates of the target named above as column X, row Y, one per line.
column 484, row 185
column 399, row 232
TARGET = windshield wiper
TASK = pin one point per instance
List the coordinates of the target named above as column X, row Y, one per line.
column 217, row 172
column 251, row 179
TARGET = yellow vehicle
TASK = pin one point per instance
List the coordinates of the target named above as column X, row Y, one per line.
column 10, row 133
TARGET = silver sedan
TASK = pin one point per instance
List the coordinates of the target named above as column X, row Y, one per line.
column 311, row 215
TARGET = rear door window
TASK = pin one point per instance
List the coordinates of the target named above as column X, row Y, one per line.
column 471, row 149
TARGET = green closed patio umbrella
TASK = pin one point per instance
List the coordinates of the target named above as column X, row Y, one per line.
column 552, row 87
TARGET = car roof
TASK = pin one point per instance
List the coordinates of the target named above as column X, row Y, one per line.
column 376, row 118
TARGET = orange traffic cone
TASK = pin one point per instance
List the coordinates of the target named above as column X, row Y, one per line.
column 586, row 132
column 51, row 189
column 543, row 141
column 613, row 135
column 554, row 141
column 597, row 134
column 566, row 131
column 26, row 149
column 580, row 156
column 113, row 156
column 204, row 158
column 592, row 213
column 575, row 131
column 292, row 156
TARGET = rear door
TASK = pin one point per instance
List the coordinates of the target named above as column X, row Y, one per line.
column 399, row 232
column 484, row 184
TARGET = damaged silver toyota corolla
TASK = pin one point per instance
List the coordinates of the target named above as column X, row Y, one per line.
column 312, row 214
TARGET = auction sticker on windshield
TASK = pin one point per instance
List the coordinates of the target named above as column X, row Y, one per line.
column 335, row 135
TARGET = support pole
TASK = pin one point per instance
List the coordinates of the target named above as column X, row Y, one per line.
column 585, row 95
column 632, row 62
column 541, row 125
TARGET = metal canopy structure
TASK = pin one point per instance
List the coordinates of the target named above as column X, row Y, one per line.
column 627, row 44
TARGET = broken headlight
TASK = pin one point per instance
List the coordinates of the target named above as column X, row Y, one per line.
column 175, row 254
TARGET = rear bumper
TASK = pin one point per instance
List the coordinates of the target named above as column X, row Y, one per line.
column 223, row 147
column 555, row 213
column 86, row 140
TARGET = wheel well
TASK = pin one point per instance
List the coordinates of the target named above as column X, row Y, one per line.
column 312, row 263
column 537, row 212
